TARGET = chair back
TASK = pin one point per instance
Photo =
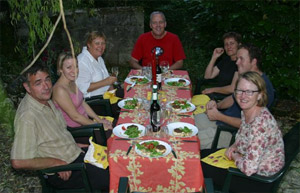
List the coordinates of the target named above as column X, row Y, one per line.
column 99, row 105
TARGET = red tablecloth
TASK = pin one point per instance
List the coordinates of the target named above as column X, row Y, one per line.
column 166, row 174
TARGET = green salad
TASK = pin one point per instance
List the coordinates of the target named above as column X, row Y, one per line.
column 131, row 104
column 140, row 80
column 132, row 131
column 149, row 148
column 180, row 104
column 176, row 83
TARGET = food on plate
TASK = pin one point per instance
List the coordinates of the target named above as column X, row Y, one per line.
column 151, row 148
column 139, row 80
column 182, row 132
column 179, row 105
column 180, row 82
column 131, row 103
column 132, row 131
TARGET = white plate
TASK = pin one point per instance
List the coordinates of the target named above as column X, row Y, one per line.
column 175, row 125
column 190, row 109
column 168, row 149
column 187, row 82
column 118, row 131
column 121, row 103
column 128, row 79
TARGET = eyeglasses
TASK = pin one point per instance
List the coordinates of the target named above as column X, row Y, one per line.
column 247, row 92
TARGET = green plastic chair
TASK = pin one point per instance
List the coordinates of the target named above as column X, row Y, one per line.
column 99, row 105
column 291, row 147
column 84, row 131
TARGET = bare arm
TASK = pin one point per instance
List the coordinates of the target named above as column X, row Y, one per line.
column 40, row 163
column 215, row 115
column 225, row 103
column 134, row 63
column 225, row 89
column 105, row 82
column 63, row 99
column 177, row 65
column 212, row 71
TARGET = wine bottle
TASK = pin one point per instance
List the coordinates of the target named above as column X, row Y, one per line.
column 154, row 107
column 158, row 76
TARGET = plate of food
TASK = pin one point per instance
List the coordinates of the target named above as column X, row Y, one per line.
column 181, row 129
column 129, row 103
column 153, row 148
column 138, row 79
column 129, row 130
column 177, row 82
column 181, row 106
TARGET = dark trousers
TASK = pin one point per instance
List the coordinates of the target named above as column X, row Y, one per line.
column 98, row 177
column 238, row 184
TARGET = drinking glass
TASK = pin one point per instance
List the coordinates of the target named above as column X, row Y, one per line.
column 115, row 72
column 164, row 66
column 157, row 120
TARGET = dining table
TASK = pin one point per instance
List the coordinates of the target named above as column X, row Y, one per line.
column 178, row 171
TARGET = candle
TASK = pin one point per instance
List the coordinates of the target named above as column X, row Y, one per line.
column 153, row 68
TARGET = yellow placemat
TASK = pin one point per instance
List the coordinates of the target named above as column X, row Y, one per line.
column 200, row 102
column 96, row 155
column 111, row 95
column 218, row 159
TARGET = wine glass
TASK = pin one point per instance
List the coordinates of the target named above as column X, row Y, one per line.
column 115, row 72
column 157, row 120
column 164, row 66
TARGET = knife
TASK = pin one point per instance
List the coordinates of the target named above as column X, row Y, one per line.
column 123, row 139
column 182, row 115
column 129, row 149
column 190, row 141
column 174, row 154
column 131, row 86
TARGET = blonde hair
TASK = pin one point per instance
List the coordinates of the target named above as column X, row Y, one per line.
column 256, row 79
column 93, row 35
column 60, row 60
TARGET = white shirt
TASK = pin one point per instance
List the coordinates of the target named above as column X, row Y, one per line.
column 90, row 70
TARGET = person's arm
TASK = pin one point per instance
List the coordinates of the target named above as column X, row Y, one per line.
column 225, row 103
column 41, row 163
column 215, row 115
column 134, row 63
column 225, row 89
column 105, row 82
column 177, row 65
column 63, row 99
column 211, row 70
column 107, row 124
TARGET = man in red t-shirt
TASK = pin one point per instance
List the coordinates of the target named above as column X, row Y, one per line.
column 169, row 42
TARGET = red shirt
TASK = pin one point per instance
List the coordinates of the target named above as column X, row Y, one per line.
column 170, row 43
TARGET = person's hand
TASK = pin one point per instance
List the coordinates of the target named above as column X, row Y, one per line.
column 106, row 124
column 111, row 79
column 229, row 151
column 65, row 175
column 213, row 114
column 211, row 104
column 217, row 52
column 208, row 91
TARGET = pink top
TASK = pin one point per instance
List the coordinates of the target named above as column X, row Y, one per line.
column 77, row 100
column 261, row 145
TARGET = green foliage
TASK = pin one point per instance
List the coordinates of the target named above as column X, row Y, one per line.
column 7, row 112
column 273, row 26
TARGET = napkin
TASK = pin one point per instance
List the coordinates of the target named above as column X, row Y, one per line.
column 110, row 119
column 111, row 95
column 96, row 155
column 200, row 102
column 218, row 159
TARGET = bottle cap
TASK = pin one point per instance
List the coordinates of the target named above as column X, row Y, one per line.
column 154, row 86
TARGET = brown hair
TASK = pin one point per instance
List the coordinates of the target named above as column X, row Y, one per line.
column 256, row 79
column 93, row 35
column 60, row 60
column 236, row 36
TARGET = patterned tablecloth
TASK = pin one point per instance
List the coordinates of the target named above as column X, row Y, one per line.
column 165, row 174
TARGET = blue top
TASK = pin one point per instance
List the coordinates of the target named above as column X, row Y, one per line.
column 235, row 110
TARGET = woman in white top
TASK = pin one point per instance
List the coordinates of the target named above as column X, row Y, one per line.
column 93, row 78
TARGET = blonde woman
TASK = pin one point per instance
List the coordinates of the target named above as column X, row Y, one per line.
column 69, row 99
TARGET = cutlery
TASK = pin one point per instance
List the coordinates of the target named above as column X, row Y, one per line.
column 123, row 139
column 190, row 141
column 182, row 115
column 174, row 154
column 131, row 86
column 183, row 88
column 124, row 111
column 129, row 149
